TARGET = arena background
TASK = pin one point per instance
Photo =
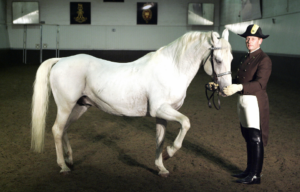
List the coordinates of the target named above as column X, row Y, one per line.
column 117, row 153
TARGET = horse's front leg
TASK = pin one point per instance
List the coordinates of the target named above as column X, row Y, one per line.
column 161, row 125
column 170, row 114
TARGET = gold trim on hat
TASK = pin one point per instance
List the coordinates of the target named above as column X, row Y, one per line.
column 254, row 29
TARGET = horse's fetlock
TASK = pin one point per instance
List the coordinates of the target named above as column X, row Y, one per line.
column 177, row 146
column 59, row 164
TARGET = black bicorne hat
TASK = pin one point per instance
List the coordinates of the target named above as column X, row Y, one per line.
column 253, row 30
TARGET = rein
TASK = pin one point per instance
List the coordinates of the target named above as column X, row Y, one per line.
column 213, row 98
column 215, row 79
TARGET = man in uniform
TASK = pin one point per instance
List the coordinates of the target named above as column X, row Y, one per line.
column 251, row 81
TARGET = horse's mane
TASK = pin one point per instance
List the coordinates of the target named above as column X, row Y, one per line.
column 181, row 44
column 177, row 49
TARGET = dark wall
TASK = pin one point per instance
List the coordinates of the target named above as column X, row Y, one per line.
column 33, row 56
column 285, row 67
column 4, row 56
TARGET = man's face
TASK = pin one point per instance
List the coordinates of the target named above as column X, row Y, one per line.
column 253, row 43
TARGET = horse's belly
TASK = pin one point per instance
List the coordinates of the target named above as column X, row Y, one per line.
column 134, row 106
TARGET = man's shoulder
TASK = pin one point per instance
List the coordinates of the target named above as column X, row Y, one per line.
column 265, row 60
column 264, row 56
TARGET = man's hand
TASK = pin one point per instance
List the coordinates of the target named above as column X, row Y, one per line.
column 212, row 86
column 232, row 89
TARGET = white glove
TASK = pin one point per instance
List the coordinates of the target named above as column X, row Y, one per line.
column 232, row 89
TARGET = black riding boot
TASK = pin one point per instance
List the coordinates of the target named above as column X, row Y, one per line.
column 247, row 171
column 257, row 156
column 249, row 163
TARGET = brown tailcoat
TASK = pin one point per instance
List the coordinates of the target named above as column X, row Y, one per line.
column 253, row 73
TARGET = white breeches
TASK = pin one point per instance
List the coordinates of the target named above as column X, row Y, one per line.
column 248, row 111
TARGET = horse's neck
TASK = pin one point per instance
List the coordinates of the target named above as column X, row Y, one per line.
column 189, row 61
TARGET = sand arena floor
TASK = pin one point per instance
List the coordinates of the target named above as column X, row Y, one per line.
column 113, row 153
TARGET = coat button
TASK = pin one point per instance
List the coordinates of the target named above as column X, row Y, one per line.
column 248, row 63
column 237, row 76
column 243, row 77
column 241, row 62
column 245, row 70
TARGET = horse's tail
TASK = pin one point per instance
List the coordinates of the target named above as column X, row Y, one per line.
column 41, row 92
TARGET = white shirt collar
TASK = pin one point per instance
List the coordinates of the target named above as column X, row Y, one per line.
column 254, row 50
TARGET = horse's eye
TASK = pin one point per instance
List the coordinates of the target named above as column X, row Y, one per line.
column 218, row 61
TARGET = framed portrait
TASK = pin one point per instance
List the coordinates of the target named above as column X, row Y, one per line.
column 80, row 13
column 146, row 13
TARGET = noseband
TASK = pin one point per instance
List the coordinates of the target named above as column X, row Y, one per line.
column 215, row 79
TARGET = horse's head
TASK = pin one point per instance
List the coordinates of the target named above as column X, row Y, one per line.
column 221, row 57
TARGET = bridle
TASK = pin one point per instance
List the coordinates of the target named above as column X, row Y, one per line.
column 215, row 79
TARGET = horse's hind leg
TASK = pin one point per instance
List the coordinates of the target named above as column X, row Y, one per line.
column 168, row 113
column 65, row 116
column 76, row 113
column 161, row 125
column 68, row 154
column 58, row 133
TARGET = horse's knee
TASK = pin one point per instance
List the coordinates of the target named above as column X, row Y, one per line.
column 186, row 125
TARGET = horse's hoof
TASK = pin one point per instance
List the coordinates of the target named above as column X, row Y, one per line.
column 71, row 166
column 165, row 155
column 164, row 175
column 65, row 173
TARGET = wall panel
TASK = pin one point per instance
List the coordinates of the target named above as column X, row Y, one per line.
column 4, row 42
column 293, row 6
column 172, row 23
column 3, row 12
column 273, row 8
column 229, row 12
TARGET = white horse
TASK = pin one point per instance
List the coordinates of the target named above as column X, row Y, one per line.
column 154, row 85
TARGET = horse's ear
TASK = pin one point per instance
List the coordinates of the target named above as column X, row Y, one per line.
column 225, row 34
column 214, row 38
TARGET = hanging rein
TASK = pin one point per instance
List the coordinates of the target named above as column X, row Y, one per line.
column 215, row 89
